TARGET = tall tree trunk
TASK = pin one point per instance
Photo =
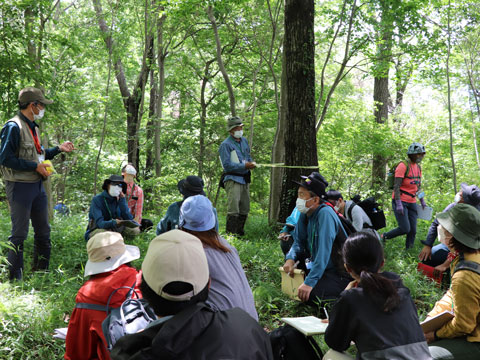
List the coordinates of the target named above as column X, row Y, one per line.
column 300, row 135
column 278, row 150
column 131, row 100
column 221, row 65
column 150, row 159
column 449, row 100
column 160, row 94
column 203, row 116
column 381, row 94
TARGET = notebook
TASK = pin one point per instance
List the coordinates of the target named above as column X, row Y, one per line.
column 307, row 325
column 437, row 321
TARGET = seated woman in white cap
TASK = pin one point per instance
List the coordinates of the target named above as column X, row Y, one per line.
column 229, row 286
column 108, row 268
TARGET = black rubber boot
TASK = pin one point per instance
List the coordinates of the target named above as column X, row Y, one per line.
column 242, row 219
column 231, row 225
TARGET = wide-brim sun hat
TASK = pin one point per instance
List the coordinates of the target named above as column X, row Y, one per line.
column 107, row 251
column 233, row 122
column 463, row 222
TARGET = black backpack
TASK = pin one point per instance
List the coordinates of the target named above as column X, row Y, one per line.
column 372, row 209
column 290, row 344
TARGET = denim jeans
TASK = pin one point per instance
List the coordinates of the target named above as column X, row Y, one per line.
column 28, row 201
column 439, row 255
column 407, row 223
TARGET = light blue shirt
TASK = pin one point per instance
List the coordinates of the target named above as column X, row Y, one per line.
column 243, row 153
column 315, row 235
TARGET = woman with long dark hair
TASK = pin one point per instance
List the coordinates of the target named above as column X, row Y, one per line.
column 375, row 311
column 229, row 286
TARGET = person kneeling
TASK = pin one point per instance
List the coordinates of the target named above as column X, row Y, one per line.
column 175, row 283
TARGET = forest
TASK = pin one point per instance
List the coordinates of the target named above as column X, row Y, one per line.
column 342, row 86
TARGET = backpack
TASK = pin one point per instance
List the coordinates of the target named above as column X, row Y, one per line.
column 290, row 344
column 391, row 174
column 131, row 317
column 372, row 209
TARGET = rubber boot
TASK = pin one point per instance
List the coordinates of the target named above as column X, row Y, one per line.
column 231, row 225
column 241, row 224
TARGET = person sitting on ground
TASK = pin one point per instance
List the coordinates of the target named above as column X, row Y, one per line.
column 375, row 311
column 109, row 268
column 109, row 208
column 406, row 189
column 134, row 195
column 439, row 256
column 175, row 282
column 229, row 286
column 285, row 236
column 459, row 338
column 61, row 209
column 190, row 186
column 318, row 238
column 350, row 210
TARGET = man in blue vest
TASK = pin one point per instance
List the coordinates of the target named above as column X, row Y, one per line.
column 237, row 163
column 23, row 168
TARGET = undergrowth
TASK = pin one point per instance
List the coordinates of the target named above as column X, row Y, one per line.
column 30, row 310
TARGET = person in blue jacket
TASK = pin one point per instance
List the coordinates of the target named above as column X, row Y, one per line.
column 190, row 186
column 316, row 248
column 237, row 163
column 285, row 236
column 109, row 208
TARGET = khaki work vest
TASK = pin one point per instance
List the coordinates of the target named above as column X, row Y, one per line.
column 25, row 151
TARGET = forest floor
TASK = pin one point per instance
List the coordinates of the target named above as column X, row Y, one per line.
column 30, row 310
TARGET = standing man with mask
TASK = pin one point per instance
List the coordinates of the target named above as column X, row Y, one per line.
column 23, row 170
column 237, row 163
column 318, row 239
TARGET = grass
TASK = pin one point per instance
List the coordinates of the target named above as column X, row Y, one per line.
column 30, row 310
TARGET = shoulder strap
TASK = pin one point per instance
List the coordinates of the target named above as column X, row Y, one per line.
column 407, row 169
column 89, row 306
column 467, row 265
column 128, row 296
column 349, row 212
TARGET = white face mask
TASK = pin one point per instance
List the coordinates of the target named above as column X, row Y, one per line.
column 458, row 197
column 443, row 237
column 301, row 205
column 114, row 190
column 238, row 134
column 39, row 115
column 337, row 208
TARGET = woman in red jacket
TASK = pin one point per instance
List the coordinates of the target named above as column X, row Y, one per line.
column 108, row 268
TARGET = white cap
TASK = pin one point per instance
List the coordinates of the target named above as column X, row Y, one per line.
column 175, row 256
column 129, row 169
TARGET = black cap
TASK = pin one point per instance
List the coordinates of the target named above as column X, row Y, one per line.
column 115, row 179
column 190, row 186
column 315, row 183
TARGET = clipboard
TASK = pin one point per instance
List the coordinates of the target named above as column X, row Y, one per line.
column 290, row 285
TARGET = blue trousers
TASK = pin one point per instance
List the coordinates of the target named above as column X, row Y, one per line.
column 407, row 223
column 28, row 201
column 439, row 255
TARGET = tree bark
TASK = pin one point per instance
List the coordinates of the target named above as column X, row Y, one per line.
column 221, row 65
column 160, row 94
column 381, row 94
column 300, row 135
column 452, row 157
column 278, row 151
column 131, row 100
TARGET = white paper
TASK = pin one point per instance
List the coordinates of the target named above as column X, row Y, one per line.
column 234, row 157
column 424, row 214
column 60, row 333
